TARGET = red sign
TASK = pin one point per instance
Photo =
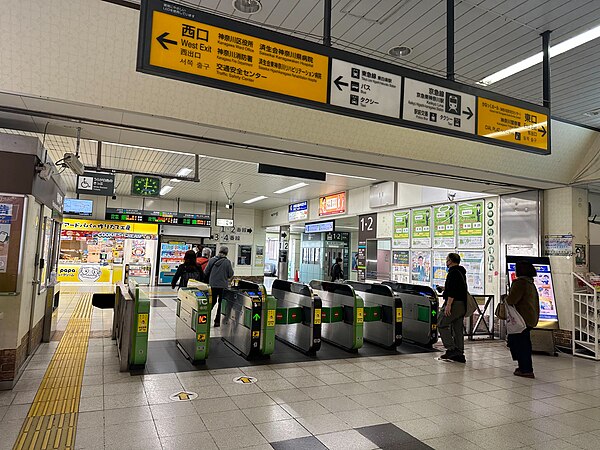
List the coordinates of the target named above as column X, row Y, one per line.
column 332, row 204
column 202, row 318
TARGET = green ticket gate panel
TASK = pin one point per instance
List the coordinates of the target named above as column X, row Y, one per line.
column 141, row 324
column 342, row 314
column 298, row 316
column 192, row 326
column 383, row 313
column 419, row 312
column 248, row 319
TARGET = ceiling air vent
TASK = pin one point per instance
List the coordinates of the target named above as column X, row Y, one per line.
column 379, row 13
column 592, row 113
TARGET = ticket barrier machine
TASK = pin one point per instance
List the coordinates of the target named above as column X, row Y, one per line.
column 298, row 316
column 248, row 319
column 342, row 314
column 383, row 313
column 419, row 312
column 192, row 327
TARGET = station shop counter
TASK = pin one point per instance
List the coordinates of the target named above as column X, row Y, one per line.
column 342, row 314
column 192, row 327
column 382, row 313
column 419, row 312
column 298, row 316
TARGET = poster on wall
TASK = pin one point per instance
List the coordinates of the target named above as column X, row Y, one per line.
column 420, row 261
column 401, row 266
column 421, row 227
column 557, row 245
column 580, row 255
column 443, row 226
column 470, row 224
column 332, row 204
column 244, row 255
column 401, row 236
column 439, row 268
column 6, row 213
column 259, row 255
column 474, row 264
column 11, row 219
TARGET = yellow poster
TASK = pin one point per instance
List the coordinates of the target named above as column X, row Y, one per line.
column 509, row 123
column 142, row 326
column 109, row 227
column 193, row 47
column 87, row 273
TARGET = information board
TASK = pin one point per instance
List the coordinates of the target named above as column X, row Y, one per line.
column 470, row 224
column 401, row 266
column 421, row 227
column 420, row 261
column 474, row 264
column 401, row 229
column 439, row 268
column 443, row 226
column 298, row 211
column 158, row 217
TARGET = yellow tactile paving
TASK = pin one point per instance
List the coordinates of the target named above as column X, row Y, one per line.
column 52, row 419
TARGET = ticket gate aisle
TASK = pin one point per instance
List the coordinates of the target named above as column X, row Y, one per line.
column 419, row 312
column 383, row 313
column 298, row 316
column 342, row 314
column 192, row 327
column 248, row 319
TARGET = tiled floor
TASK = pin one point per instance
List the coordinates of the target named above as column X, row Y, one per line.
column 400, row 401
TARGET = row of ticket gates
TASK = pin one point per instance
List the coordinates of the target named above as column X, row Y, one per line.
column 303, row 315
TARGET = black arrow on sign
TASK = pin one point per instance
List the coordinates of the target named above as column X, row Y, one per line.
column 543, row 131
column 468, row 112
column 162, row 40
column 339, row 83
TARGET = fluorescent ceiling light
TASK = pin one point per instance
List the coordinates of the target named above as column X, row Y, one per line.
column 255, row 199
column 152, row 149
column 166, row 189
column 290, row 188
column 555, row 50
column 183, row 172
column 351, row 176
column 175, row 180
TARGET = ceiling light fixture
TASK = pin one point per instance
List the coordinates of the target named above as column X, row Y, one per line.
column 175, row 180
column 399, row 51
column 151, row 149
column 290, row 188
column 351, row 176
column 255, row 199
column 183, row 172
column 247, row 6
column 555, row 50
column 166, row 189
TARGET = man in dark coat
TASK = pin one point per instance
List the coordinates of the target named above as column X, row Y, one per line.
column 450, row 320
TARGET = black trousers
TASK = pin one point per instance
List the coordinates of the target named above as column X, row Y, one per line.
column 520, row 349
column 217, row 295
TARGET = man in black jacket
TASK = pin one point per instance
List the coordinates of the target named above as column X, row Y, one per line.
column 452, row 314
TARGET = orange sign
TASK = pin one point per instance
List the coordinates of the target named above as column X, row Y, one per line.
column 332, row 204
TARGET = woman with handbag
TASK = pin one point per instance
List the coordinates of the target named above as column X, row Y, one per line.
column 523, row 295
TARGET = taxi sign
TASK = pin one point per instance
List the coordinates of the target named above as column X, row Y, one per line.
column 185, row 42
column 512, row 124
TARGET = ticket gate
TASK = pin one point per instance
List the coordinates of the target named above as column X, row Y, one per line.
column 342, row 314
column 383, row 313
column 419, row 312
column 192, row 326
column 298, row 316
column 248, row 319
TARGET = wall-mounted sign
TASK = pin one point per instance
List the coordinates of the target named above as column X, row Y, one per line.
column 367, row 229
column 420, row 267
column 512, row 124
column 319, row 227
column 443, row 226
column 421, row 228
column 332, row 204
column 382, row 194
column 401, row 266
column 244, row 255
column 401, row 229
column 78, row 207
column 556, row 245
column 365, row 89
column 157, row 217
column 96, row 183
column 470, row 224
column 474, row 264
column 224, row 222
column 298, row 211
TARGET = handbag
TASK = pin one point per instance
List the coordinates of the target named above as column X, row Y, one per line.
column 471, row 306
column 515, row 323
column 501, row 310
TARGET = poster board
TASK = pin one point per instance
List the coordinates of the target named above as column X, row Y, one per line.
column 420, row 264
column 470, row 224
column 444, row 217
column 401, row 266
column 420, row 227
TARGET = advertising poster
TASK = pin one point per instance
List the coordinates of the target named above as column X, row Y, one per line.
column 470, row 224
column 354, row 261
column 420, row 262
column 332, row 204
column 443, row 226
column 421, row 228
column 474, row 264
column 86, row 273
column 580, row 255
column 244, row 255
column 558, row 245
column 439, row 268
column 6, row 211
column 298, row 211
column 401, row 229
column 259, row 255
column 544, row 285
column 401, row 266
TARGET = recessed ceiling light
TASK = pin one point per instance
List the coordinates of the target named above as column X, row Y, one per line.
column 399, row 51
column 350, row 176
column 255, row 199
column 166, row 189
column 184, row 171
column 175, row 180
column 555, row 50
column 247, row 6
column 592, row 113
column 290, row 188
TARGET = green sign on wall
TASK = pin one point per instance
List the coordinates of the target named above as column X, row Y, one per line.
column 401, row 229
column 443, row 225
column 421, row 227
column 470, row 224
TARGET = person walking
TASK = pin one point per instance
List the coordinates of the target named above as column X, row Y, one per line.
column 523, row 295
column 219, row 273
column 452, row 314
column 203, row 257
column 337, row 273
column 187, row 271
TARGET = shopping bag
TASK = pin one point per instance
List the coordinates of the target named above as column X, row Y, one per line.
column 471, row 305
column 514, row 321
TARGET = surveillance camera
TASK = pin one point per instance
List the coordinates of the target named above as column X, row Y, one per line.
column 228, row 205
column 73, row 162
column 114, row 197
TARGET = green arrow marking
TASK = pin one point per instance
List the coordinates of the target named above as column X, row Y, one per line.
column 256, row 317
column 433, row 313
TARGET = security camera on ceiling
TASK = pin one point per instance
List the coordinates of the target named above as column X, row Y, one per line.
column 73, row 162
column 45, row 171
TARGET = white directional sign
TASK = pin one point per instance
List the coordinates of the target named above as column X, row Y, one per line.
column 365, row 89
column 437, row 106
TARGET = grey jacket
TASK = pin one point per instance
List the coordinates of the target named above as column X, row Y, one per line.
column 219, row 272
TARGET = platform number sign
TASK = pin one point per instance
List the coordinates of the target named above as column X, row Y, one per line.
column 367, row 229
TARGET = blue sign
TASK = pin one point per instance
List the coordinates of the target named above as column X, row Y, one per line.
column 298, row 211
column 320, row 227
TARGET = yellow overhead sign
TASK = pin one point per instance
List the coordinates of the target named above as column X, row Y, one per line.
column 193, row 47
column 509, row 123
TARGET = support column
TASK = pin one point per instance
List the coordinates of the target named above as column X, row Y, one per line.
column 546, row 67
column 327, row 23
column 450, row 40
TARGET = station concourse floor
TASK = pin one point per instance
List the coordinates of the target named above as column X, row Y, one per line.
column 389, row 402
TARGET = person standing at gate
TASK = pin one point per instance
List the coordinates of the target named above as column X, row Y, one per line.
column 452, row 314
column 219, row 273
column 337, row 273
column 203, row 257
column 187, row 271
